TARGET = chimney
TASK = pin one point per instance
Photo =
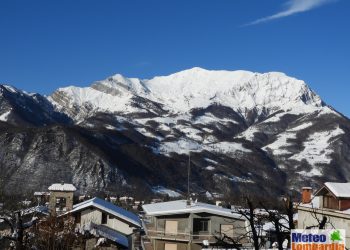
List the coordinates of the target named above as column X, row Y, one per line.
column 306, row 195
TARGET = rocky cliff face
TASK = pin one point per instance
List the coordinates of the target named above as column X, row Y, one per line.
column 245, row 131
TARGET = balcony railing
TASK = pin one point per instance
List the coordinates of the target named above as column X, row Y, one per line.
column 180, row 236
column 166, row 235
column 201, row 236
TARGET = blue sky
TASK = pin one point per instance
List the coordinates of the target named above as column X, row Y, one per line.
column 49, row 44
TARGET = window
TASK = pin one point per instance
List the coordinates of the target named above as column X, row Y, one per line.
column 60, row 203
column 104, row 218
column 200, row 225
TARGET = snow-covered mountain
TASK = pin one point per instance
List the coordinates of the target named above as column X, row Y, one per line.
column 244, row 130
column 192, row 89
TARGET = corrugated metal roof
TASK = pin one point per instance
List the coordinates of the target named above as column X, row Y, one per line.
column 181, row 207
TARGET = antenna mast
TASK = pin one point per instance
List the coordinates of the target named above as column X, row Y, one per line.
column 188, row 175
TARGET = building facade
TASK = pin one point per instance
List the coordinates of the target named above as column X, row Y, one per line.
column 102, row 219
column 180, row 225
column 61, row 198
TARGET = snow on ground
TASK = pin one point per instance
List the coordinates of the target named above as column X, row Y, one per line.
column 185, row 145
column 226, row 147
column 313, row 172
column 240, row 179
column 300, row 127
column 233, row 178
column 277, row 147
column 209, row 139
column 209, row 118
column 211, row 161
column 210, row 168
column 165, row 191
column 317, row 147
column 4, row 116
column 275, row 118
column 146, row 133
column 327, row 110
column 182, row 146
column 248, row 134
column 110, row 127
column 163, row 127
column 207, row 130
column 190, row 132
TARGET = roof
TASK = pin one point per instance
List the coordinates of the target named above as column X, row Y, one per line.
column 35, row 210
column 108, row 208
column 41, row 193
column 340, row 190
column 100, row 230
column 315, row 205
column 181, row 207
column 65, row 187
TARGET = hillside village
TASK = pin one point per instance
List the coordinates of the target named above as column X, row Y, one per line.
column 60, row 218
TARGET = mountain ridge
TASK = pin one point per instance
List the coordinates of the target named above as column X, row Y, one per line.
column 244, row 130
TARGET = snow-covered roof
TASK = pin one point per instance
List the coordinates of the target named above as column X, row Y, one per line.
column 181, row 207
column 65, row 187
column 38, row 209
column 341, row 190
column 108, row 208
column 41, row 193
column 100, row 230
column 338, row 189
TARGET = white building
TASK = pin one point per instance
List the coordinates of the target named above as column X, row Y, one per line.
column 184, row 225
column 104, row 220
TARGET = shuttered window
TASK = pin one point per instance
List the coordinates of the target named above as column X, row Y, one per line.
column 169, row 246
column 227, row 230
column 171, row 226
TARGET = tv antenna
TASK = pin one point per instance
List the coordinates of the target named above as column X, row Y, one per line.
column 188, row 179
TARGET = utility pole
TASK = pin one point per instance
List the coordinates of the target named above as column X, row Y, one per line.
column 188, row 177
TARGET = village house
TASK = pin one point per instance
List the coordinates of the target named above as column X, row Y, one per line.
column 61, row 198
column 42, row 198
column 181, row 224
column 332, row 202
column 120, row 229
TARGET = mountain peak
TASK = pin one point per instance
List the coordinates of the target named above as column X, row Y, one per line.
column 198, row 88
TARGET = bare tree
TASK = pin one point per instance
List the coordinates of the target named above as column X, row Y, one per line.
column 17, row 230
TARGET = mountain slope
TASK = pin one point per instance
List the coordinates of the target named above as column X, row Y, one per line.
column 245, row 131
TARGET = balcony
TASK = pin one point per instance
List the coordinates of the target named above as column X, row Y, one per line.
column 179, row 236
column 161, row 234
column 199, row 237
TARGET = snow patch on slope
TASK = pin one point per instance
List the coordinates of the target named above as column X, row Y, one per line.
column 4, row 116
column 317, row 147
column 300, row 127
column 278, row 146
column 166, row 191
column 185, row 146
